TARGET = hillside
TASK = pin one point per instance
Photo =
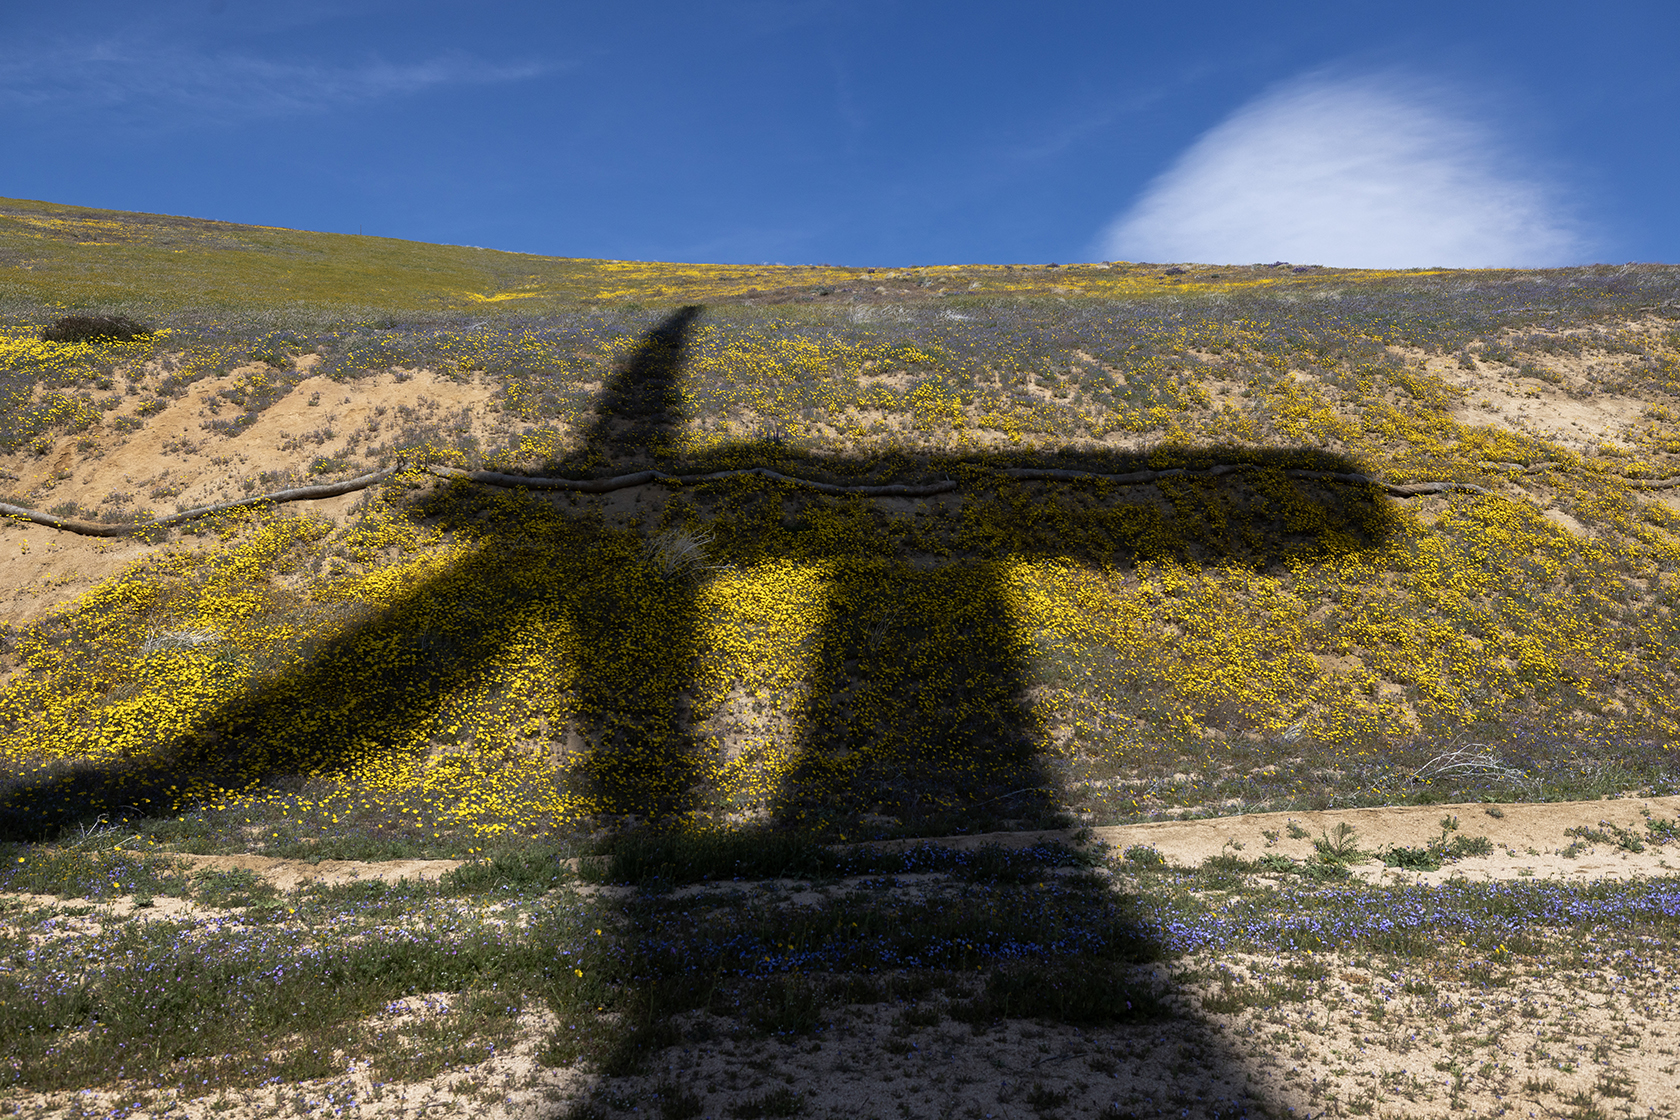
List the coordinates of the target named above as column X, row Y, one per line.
column 1327, row 639
column 807, row 556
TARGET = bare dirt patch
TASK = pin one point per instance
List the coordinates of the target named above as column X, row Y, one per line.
column 290, row 874
column 1528, row 839
column 1538, row 408
column 42, row 570
column 170, row 461
column 1556, row 407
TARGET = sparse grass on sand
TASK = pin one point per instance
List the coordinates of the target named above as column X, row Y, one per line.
column 687, row 976
column 650, row 792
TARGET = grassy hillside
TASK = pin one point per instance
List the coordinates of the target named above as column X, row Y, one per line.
column 1012, row 649
column 73, row 256
column 778, row 560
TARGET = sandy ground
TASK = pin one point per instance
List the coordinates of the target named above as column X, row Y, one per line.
column 172, row 461
column 290, row 874
column 1288, row 1035
column 1499, row 396
column 1358, row 1043
column 1528, row 839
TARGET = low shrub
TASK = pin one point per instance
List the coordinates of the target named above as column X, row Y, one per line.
column 94, row 328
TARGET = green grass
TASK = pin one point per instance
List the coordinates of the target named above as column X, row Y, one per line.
column 70, row 871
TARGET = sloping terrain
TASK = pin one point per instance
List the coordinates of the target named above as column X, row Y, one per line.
column 371, row 550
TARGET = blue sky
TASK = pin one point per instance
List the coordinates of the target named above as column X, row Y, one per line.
column 871, row 132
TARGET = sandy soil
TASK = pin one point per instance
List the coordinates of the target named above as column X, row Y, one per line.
column 1528, row 839
column 171, row 461
column 1353, row 1042
column 1498, row 398
column 290, row 874
column 173, row 451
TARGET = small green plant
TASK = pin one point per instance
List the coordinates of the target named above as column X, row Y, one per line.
column 1585, row 1107
column 1427, row 858
column 1462, row 846
column 913, row 1019
column 1339, row 846
column 636, row 1047
column 231, row 889
column 651, row 856
column 1225, row 871
column 97, row 870
column 1614, row 1084
column 1234, row 997
column 1041, row 1098
column 1493, row 811
column 533, row 866
column 786, row 1006
column 1661, row 831
column 1608, row 833
column 1065, row 994
column 1439, row 851
column 1296, row 832
column 1145, row 855
column 1321, row 872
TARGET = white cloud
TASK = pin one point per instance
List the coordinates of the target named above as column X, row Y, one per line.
column 178, row 87
column 1376, row 173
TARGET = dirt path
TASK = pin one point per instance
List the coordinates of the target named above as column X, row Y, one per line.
column 290, row 874
column 1528, row 839
column 1528, row 842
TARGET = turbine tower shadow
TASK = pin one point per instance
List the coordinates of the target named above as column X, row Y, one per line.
column 940, row 734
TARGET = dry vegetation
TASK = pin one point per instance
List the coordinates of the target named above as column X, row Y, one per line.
column 1185, row 543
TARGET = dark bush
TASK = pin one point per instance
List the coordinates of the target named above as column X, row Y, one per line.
column 94, row 328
